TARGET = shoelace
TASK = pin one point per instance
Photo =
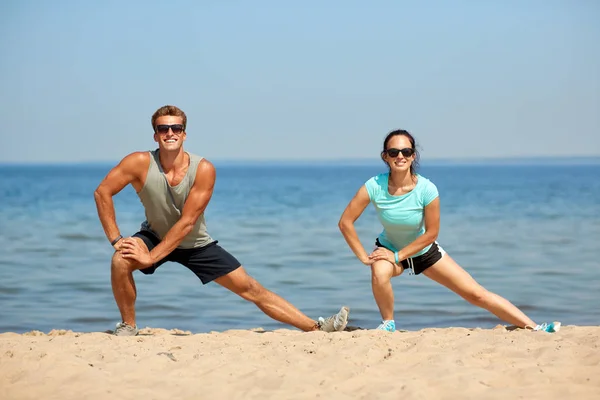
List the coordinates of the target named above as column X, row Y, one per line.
column 387, row 325
column 545, row 327
column 323, row 321
column 123, row 325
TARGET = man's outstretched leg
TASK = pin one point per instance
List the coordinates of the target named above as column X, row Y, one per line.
column 239, row 282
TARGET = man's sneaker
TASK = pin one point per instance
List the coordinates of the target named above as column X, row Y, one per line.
column 551, row 327
column 388, row 326
column 124, row 329
column 336, row 322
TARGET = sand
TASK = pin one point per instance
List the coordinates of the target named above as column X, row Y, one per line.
column 449, row 363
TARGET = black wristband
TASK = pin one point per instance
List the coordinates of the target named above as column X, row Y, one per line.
column 116, row 240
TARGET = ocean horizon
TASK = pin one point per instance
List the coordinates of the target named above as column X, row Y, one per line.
column 520, row 160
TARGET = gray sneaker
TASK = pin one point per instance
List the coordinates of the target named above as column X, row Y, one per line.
column 336, row 322
column 124, row 329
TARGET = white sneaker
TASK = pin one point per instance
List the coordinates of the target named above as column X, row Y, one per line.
column 548, row 327
column 388, row 326
column 124, row 329
column 336, row 322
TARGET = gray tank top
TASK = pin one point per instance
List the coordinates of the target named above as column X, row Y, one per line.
column 163, row 203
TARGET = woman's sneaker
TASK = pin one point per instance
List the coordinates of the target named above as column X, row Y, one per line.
column 388, row 326
column 124, row 329
column 548, row 327
column 336, row 322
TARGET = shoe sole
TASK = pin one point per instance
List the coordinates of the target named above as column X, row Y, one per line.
column 126, row 334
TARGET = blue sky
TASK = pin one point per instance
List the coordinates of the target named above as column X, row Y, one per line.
column 269, row 80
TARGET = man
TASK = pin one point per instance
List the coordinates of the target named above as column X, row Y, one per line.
column 175, row 187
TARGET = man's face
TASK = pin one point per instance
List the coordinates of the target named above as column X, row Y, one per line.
column 169, row 132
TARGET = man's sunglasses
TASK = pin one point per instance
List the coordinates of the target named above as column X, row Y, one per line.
column 176, row 128
column 406, row 152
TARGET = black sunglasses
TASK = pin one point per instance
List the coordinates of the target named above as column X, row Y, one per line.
column 176, row 128
column 406, row 152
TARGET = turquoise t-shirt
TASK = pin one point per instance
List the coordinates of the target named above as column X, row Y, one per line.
column 401, row 216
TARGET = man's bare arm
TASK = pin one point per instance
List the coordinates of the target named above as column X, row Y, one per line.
column 128, row 171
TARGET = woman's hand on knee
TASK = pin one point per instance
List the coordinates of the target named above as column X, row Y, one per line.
column 381, row 253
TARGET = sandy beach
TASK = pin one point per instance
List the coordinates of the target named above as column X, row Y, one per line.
column 449, row 363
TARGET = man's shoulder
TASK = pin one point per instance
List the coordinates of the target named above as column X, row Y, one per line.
column 136, row 157
column 205, row 173
column 135, row 160
column 200, row 160
column 205, row 166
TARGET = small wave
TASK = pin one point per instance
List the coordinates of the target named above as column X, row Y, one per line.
column 14, row 328
column 290, row 282
column 13, row 263
column 50, row 250
column 91, row 320
column 80, row 237
column 68, row 287
column 10, row 290
column 430, row 312
column 154, row 308
column 257, row 224
column 562, row 241
column 274, row 265
column 564, row 272
column 318, row 253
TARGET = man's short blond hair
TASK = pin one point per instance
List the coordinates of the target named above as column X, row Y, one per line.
column 169, row 111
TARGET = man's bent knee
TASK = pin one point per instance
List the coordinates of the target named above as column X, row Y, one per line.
column 120, row 264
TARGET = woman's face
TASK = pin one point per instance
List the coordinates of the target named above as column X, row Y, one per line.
column 399, row 153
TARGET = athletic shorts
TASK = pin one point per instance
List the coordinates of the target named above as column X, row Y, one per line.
column 208, row 262
column 420, row 263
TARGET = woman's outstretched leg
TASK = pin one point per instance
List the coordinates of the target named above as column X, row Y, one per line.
column 448, row 273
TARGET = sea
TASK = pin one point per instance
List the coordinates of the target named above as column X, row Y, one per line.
column 528, row 231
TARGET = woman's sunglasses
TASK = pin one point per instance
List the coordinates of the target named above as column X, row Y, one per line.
column 176, row 128
column 406, row 152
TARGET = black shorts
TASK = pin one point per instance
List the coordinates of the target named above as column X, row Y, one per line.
column 208, row 262
column 420, row 263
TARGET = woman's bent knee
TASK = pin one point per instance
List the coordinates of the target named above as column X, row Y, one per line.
column 381, row 272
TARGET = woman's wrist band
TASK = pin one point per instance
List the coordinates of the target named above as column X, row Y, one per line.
column 116, row 240
column 396, row 257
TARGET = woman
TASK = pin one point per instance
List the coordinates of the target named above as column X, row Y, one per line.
column 408, row 207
